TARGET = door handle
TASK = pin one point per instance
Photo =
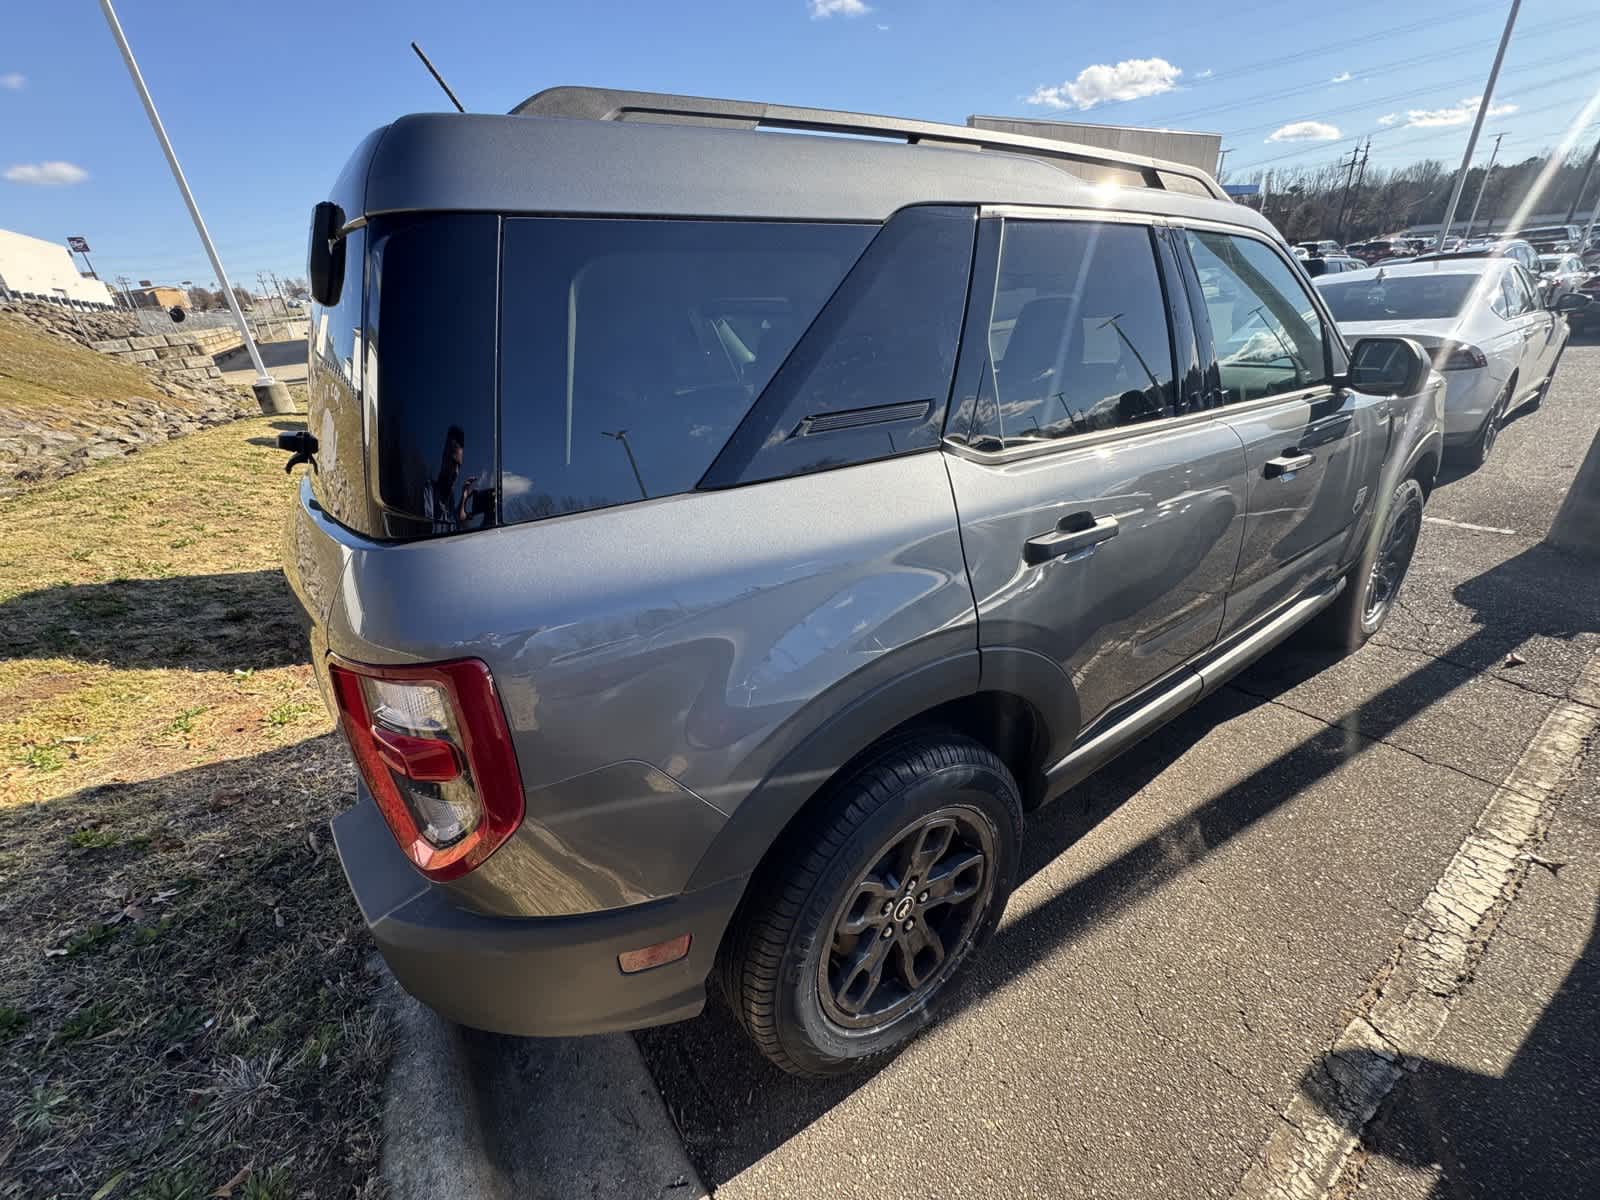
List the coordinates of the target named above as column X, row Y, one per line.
column 1287, row 463
column 1079, row 531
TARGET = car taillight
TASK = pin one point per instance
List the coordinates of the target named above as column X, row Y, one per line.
column 1460, row 358
column 431, row 742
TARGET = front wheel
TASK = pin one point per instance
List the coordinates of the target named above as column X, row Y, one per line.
column 868, row 913
column 1373, row 583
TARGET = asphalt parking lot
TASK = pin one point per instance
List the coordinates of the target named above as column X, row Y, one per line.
column 1199, row 922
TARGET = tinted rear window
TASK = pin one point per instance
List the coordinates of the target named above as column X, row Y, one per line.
column 631, row 350
column 1411, row 297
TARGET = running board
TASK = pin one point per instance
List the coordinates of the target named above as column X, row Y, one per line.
column 1201, row 680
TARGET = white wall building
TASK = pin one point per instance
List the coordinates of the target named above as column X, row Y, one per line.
column 35, row 269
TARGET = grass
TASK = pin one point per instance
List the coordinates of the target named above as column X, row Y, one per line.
column 186, row 996
column 51, row 377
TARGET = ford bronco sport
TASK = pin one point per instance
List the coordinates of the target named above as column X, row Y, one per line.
column 715, row 542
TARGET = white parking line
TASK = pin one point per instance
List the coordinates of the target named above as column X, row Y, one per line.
column 1467, row 525
column 1410, row 999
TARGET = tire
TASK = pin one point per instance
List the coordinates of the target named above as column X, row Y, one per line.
column 1373, row 582
column 829, row 963
column 1478, row 450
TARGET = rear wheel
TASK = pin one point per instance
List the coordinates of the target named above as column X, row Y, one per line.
column 1482, row 446
column 866, row 918
column 1372, row 584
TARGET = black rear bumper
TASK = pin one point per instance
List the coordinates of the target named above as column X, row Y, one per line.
column 536, row 977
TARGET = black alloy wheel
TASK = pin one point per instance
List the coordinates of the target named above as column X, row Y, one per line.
column 908, row 919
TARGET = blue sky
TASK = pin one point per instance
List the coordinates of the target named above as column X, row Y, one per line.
column 264, row 101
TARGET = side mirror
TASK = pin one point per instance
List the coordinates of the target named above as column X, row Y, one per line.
column 1573, row 302
column 1390, row 365
column 325, row 255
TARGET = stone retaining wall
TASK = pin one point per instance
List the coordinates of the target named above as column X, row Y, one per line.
column 181, row 355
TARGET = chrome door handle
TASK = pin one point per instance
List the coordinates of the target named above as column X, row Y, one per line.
column 1079, row 531
column 1287, row 464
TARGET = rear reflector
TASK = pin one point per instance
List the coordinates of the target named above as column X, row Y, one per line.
column 431, row 742
column 634, row 961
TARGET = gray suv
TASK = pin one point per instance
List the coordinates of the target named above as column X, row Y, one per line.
column 715, row 542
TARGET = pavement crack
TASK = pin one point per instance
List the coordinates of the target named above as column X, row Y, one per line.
column 1345, row 725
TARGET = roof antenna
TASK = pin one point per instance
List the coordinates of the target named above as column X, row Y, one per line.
column 439, row 79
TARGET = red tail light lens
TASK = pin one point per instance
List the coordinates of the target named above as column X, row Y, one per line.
column 1458, row 356
column 431, row 742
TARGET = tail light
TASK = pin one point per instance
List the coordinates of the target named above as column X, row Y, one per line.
column 1460, row 357
column 431, row 742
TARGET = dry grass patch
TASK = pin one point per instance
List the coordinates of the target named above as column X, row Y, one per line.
column 44, row 376
column 185, row 997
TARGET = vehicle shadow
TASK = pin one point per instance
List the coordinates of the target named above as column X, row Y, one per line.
column 237, row 620
column 1492, row 1136
column 733, row 1108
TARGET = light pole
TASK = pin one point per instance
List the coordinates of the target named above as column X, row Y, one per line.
column 270, row 394
column 1484, row 182
column 1477, row 126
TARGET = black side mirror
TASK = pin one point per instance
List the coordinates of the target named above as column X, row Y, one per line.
column 1572, row 302
column 325, row 255
column 1388, row 365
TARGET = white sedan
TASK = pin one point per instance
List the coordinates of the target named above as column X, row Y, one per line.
column 1483, row 323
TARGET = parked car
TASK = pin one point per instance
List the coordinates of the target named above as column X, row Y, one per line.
column 1320, row 249
column 1515, row 249
column 1481, row 319
column 1331, row 264
column 1553, row 239
column 1587, row 317
column 1560, row 275
column 1371, row 252
column 728, row 568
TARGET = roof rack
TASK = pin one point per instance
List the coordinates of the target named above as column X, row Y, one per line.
column 606, row 104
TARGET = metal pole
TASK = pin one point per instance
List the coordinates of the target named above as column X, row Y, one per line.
column 1588, row 170
column 1484, row 182
column 271, row 395
column 1477, row 126
column 1344, row 196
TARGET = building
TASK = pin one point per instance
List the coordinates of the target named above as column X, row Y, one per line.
column 34, row 269
column 1175, row 145
column 159, row 296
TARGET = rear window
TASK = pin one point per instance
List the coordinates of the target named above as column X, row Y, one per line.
column 1409, row 297
column 631, row 350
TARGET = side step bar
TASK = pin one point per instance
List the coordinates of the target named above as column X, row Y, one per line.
column 1198, row 681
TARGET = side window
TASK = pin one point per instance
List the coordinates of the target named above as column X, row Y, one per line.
column 1078, row 336
column 1523, row 289
column 1513, row 301
column 871, row 377
column 631, row 350
column 1264, row 327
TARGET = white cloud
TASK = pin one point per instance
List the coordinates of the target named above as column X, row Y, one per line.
column 882, row 28
column 1128, row 80
column 46, row 174
column 13, row 80
column 1305, row 131
column 1341, row 77
column 1459, row 114
column 822, row 9
column 1388, row 118
column 1206, row 74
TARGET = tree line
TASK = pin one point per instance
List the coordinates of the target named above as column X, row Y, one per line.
column 203, row 299
column 1304, row 203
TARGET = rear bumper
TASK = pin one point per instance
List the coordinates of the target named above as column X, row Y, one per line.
column 538, row 977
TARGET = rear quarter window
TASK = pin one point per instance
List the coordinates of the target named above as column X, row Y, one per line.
column 632, row 349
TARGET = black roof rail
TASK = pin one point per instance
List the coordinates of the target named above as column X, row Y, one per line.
column 607, row 104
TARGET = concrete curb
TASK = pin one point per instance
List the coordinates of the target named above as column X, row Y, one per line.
column 477, row 1116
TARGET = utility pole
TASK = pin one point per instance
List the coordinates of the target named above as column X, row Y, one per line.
column 1484, row 182
column 271, row 395
column 1222, row 156
column 1477, row 126
column 1583, row 185
column 283, row 301
column 1344, row 196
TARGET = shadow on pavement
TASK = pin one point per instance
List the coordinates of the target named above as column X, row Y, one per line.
column 1529, row 1132
column 733, row 1107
